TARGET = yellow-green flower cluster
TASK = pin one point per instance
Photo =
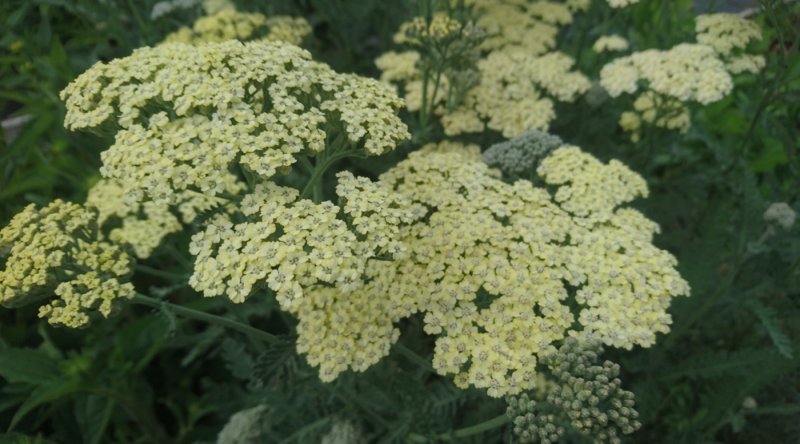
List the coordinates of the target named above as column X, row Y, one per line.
column 490, row 265
column 229, row 24
column 55, row 250
column 608, row 43
column 729, row 35
column 141, row 226
column 252, row 106
column 582, row 396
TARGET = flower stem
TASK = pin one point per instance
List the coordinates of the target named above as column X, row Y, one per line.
column 314, row 185
column 206, row 317
column 463, row 433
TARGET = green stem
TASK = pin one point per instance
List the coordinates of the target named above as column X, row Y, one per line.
column 423, row 118
column 465, row 432
column 206, row 317
column 314, row 185
column 415, row 358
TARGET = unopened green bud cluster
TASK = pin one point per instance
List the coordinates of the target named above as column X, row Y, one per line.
column 522, row 153
column 585, row 397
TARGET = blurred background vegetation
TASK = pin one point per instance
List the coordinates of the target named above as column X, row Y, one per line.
column 728, row 372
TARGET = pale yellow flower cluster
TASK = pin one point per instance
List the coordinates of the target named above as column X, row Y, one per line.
column 609, row 43
column 56, row 250
column 729, row 35
column 191, row 114
column 530, row 27
column 687, row 72
column 142, row 226
column 490, row 265
column 518, row 79
column 229, row 24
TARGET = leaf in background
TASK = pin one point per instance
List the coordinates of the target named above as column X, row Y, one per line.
column 44, row 394
column 715, row 364
column 19, row 438
column 28, row 365
column 769, row 319
column 238, row 361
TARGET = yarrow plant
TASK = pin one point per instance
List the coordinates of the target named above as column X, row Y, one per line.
column 438, row 198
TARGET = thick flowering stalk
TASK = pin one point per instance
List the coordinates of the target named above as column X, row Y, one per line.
column 55, row 253
column 491, row 264
column 193, row 117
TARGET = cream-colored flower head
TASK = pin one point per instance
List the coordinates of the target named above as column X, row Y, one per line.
column 531, row 27
column 492, row 266
column 687, row 72
column 290, row 244
column 55, row 250
column 191, row 116
column 229, row 24
column 726, row 32
column 609, row 43
column 729, row 35
column 516, row 93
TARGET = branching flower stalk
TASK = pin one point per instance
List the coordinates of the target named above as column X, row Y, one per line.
column 202, row 316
